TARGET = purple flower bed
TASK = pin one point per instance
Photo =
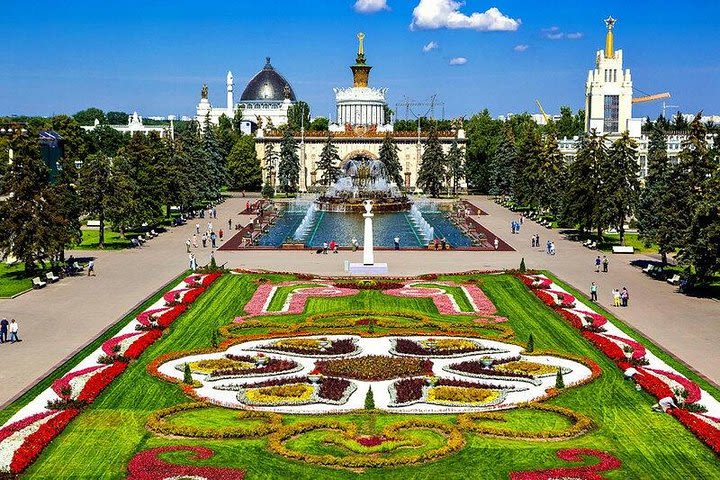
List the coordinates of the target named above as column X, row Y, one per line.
column 409, row 390
column 333, row 388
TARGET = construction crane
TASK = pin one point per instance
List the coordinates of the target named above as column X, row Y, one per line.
column 542, row 110
column 650, row 98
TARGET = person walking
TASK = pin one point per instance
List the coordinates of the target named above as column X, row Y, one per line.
column 325, row 247
column 213, row 238
column 537, row 240
column 616, row 297
column 593, row 292
column 436, row 243
column 547, row 247
column 204, row 239
column 194, row 240
column 397, row 242
column 193, row 262
column 532, row 242
column 605, row 263
column 91, row 268
column 496, row 243
column 443, row 243
column 220, row 233
column 354, row 244
column 333, row 246
column 597, row 264
column 4, row 330
column 624, row 296
column 197, row 228
column 229, row 223
column 552, row 248
column 14, row 331
column 187, row 246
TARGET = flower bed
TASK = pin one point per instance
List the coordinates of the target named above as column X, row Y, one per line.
column 674, row 381
column 701, row 426
column 162, row 317
column 439, row 347
column 556, row 299
column 444, row 301
column 147, row 465
column 582, row 318
column 184, row 296
column 463, row 396
column 234, row 366
column 295, row 303
column 293, row 391
column 313, row 346
column 508, row 369
column 536, row 282
column 201, row 280
column 407, row 391
column 577, row 455
column 374, row 367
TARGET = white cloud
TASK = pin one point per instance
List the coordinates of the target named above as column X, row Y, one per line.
column 554, row 33
column 520, row 48
column 370, row 6
column 429, row 47
column 433, row 14
column 458, row 61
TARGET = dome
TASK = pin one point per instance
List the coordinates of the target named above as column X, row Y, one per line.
column 268, row 85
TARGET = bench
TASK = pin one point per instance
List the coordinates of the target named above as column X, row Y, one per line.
column 623, row 249
column 37, row 283
column 674, row 280
column 93, row 223
column 649, row 269
column 52, row 278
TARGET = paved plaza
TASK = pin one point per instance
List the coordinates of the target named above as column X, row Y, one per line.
column 59, row 320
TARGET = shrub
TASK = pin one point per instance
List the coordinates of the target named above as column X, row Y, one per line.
column 559, row 382
column 267, row 191
column 522, row 265
column 187, row 375
column 531, row 344
column 369, row 400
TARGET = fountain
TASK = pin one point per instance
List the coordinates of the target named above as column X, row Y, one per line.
column 306, row 222
column 363, row 178
column 368, row 267
column 422, row 225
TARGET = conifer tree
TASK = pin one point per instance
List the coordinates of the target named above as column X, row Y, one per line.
column 620, row 184
column 553, row 175
column 289, row 168
column 432, row 166
column 215, row 159
column 455, row 165
column 528, row 178
column 270, row 158
column 328, row 164
column 502, row 165
column 389, row 157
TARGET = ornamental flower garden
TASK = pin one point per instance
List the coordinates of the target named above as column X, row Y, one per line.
column 232, row 375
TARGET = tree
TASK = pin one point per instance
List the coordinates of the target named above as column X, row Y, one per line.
column 269, row 160
column 328, row 163
column 432, row 166
column 89, row 115
column 30, row 221
column 660, row 220
column 620, row 184
column 569, row 125
column 679, row 122
column 483, row 134
column 582, row 194
column 455, row 165
column 214, row 157
column 528, row 177
column 298, row 116
column 117, row 118
column 389, row 157
column 554, row 173
column 99, row 191
column 702, row 252
column 369, row 399
column 501, row 167
column 319, row 124
column 106, row 140
column 530, row 344
column 243, row 165
column 289, row 168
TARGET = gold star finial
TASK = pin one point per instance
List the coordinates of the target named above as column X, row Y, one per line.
column 610, row 22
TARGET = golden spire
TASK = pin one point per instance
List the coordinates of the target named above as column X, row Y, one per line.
column 360, row 70
column 609, row 38
column 360, row 37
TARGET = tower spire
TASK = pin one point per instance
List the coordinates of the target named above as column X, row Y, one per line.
column 360, row 70
column 609, row 38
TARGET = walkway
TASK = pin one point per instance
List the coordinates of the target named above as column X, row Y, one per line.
column 59, row 320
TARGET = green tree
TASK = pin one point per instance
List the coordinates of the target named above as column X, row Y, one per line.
column 389, row 157
column 553, row 177
column 702, row 252
column 528, row 177
column 89, row 115
column 369, row 399
column 569, row 125
column 117, row 118
column 243, row 165
column 319, row 124
column 679, row 122
column 483, row 134
column 583, row 195
column 289, row 168
column 501, row 167
column 214, row 157
column 298, row 116
column 106, row 140
column 660, row 220
column 328, row 163
column 455, row 165
column 620, row 187
column 270, row 158
column 432, row 166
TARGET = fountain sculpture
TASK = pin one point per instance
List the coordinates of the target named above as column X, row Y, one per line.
column 362, row 179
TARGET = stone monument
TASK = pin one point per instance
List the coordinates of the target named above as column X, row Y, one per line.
column 368, row 267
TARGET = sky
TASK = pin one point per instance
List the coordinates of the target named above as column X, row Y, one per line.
column 154, row 56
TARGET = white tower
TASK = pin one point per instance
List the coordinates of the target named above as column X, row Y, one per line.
column 230, row 102
column 608, row 91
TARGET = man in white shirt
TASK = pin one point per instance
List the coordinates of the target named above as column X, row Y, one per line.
column 13, row 331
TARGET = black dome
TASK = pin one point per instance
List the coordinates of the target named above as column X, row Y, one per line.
column 267, row 84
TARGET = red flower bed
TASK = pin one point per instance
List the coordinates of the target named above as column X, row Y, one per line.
column 408, row 389
column 148, row 466
column 638, row 348
column 164, row 316
column 576, row 455
column 35, row 442
column 371, row 440
column 652, row 384
column 536, row 282
column 99, row 381
column 201, row 280
column 139, row 345
column 576, row 317
column 333, row 388
column 185, row 296
column 109, row 346
column 64, row 382
column 692, row 388
column 606, row 346
column 702, row 429
column 20, row 424
column 572, row 318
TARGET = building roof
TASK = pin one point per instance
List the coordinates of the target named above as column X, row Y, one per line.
column 268, row 85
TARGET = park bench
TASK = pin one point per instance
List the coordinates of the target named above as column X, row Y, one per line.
column 78, row 267
column 623, row 249
column 592, row 245
column 52, row 278
column 674, row 280
column 154, row 233
column 37, row 283
column 93, row 224
column 135, row 242
column 649, row 268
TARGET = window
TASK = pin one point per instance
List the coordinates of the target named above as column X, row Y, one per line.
column 612, row 113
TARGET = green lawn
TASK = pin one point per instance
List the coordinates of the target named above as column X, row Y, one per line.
column 631, row 240
column 13, row 279
column 101, row 441
column 113, row 240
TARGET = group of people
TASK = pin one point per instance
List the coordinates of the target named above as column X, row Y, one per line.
column 604, row 262
column 10, row 327
column 438, row 243
column 665, row 404
column 515, row 225
column 620, row 297
column 208, row 236
column 332, row 246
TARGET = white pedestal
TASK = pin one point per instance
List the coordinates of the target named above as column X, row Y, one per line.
column 364, row 270
column 368, row 253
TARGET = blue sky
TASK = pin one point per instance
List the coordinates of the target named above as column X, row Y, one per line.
column 153, row 56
